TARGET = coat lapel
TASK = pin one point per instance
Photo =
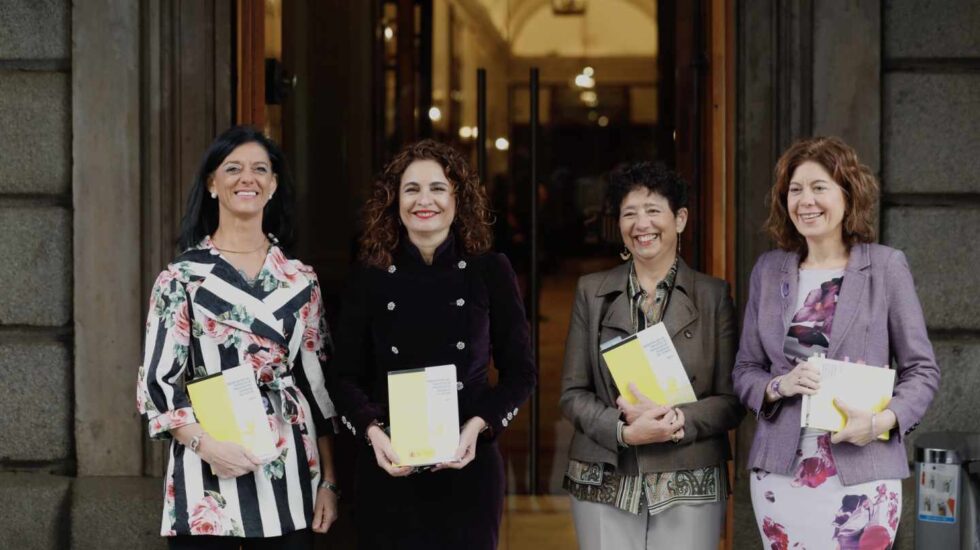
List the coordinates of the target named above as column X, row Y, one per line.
column 789, row 283
column 852, row 290
column 681, row 310
column 617, row 315
column 223, row 297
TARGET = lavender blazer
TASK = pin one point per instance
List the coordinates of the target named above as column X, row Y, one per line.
column 878, row 319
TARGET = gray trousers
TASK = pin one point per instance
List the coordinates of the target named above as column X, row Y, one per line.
column 687, row 526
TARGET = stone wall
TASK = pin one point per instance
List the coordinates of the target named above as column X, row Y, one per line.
column 36, row 367
column 930, row 178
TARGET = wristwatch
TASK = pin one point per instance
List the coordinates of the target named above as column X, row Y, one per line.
column 195, row 442
column 324, row 484
column 774, row 388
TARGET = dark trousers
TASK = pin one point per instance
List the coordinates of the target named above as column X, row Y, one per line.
column 297, row 540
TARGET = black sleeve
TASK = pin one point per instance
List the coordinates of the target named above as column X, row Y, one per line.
column 510, row 345
column 350, row 374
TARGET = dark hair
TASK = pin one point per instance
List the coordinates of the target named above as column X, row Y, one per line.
column 859, row 185
column 201, row 215
column 655, row 177
column 381, row 232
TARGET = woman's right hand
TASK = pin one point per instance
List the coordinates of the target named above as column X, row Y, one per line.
column 652, row 426
column 384, row 453
column 633, row 411
column 804, row 379
column 227, row 459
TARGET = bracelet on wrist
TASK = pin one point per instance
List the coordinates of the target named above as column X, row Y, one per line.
column 195, row 442
column 324, row 484
column 620, row 437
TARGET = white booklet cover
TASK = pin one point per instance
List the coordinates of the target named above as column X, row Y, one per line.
column 424, row 415
column 649, row 360
column 859, row 386
column 229, row 407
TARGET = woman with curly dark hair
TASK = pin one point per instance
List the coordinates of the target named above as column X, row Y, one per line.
column 430, row 293
column 829, row 289
column 649, row 475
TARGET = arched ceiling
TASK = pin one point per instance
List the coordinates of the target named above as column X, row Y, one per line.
column 618, row 28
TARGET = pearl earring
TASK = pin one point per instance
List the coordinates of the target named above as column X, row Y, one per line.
column 214, row 195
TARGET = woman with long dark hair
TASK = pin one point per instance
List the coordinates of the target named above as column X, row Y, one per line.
column 430, row 293
column 231, row 298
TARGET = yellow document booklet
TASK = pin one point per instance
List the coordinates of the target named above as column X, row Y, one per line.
column 424, row 415
column 859, row 386
column 229, row 407
column 649, row 360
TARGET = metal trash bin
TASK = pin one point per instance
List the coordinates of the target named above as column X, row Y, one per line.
column 947, row 491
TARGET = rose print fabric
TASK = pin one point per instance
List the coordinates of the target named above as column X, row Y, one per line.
column 810, row 509
column 809, row 330
column 205, row 317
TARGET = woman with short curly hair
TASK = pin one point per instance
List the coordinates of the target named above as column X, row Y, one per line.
column 430, row 293
column 829, row 289
column 644, row 474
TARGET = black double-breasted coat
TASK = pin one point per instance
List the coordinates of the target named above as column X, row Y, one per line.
column 461, row 310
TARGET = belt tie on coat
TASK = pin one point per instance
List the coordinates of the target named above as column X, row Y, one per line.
column 282, row 385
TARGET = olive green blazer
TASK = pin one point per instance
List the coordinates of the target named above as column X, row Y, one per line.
column 700, row 319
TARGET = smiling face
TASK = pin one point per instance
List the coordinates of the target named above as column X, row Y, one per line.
column 244, row 182
column 648, row 227
column 426, row 201
column 815, row 203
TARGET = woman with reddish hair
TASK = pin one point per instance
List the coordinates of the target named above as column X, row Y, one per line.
column 829, row 289
column 429, row 292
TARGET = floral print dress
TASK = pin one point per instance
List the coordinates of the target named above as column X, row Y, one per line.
column 204, row 317
column 811, row 509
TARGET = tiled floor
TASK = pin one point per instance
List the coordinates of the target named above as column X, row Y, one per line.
column 537, row 523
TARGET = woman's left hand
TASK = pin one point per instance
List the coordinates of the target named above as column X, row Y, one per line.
column 324, row 510
column 466, row 451
column 857, row 428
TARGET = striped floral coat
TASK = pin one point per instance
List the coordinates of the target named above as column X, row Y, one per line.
column 205, row 317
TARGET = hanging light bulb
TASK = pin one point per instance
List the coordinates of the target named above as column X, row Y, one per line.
column 589, row 97
column 435, row 115
column 502, row 144
column 584, row 81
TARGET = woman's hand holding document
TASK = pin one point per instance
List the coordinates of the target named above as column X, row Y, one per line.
column 649, row 361
column 851, row 400
column 228, row 405
column 424, row 413
column 647, row 422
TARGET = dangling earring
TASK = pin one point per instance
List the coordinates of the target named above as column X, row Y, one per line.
column 625, row 254
column 214, row 195
column 679, row 241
